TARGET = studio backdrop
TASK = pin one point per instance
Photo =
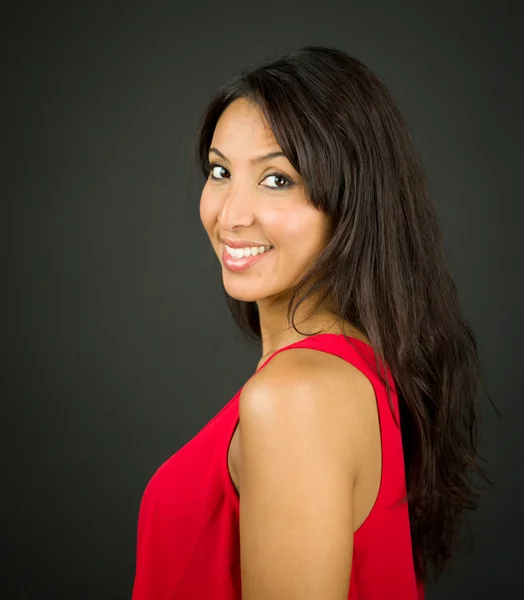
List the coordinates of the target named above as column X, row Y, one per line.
column 112, row 302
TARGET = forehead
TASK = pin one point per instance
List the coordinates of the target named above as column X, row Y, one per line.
column 243, row 124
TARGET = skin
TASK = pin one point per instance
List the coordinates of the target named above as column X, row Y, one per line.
column 305, row 456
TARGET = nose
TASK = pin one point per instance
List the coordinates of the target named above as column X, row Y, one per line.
column 237, row 208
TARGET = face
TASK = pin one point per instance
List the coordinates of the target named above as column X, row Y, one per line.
column 254, row 205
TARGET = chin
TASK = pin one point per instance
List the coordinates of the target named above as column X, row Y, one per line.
column 245, row 291
column 244, row 295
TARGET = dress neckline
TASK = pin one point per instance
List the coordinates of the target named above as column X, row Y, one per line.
column 316, row 335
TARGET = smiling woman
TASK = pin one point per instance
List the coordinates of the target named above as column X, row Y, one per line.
column 341, row 468
column 252, row 187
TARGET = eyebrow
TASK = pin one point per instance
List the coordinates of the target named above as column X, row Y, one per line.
column 254, row 161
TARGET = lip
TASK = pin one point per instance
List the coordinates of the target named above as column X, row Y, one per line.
column 241, row 264
column 241, row 243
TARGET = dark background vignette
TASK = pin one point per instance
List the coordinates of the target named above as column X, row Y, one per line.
column 112, row 308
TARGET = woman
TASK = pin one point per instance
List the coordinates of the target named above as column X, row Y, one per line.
column 304, row 486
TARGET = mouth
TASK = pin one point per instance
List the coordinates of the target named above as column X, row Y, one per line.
column 234, row 260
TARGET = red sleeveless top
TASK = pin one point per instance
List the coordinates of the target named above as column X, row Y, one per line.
column 188, row 543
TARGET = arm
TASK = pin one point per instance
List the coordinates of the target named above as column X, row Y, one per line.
column 297, row 471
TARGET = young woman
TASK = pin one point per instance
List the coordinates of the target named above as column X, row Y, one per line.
column 341, row 468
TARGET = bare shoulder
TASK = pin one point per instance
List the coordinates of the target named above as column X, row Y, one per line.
column 312, row 389
column 312, row 379
column 308, row 366
column 301, row 437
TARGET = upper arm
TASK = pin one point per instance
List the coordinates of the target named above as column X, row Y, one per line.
column 297, row 474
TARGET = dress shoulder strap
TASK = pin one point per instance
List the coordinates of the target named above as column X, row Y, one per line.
column 351, row 349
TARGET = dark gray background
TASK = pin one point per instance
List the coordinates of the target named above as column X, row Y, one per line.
column 117, row 343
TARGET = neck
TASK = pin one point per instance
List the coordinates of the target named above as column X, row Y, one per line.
column 277, row 332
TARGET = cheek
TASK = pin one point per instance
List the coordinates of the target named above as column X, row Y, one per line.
column 208, row 210
column 307, row 234
column 306, row 228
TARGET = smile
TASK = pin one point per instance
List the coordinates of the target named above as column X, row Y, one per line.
column 251, row 251
column 240, row 259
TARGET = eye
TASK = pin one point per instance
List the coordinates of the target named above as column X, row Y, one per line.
column 280, row 181
column 217, row 172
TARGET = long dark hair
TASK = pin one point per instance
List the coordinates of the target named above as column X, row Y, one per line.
column 384, row 269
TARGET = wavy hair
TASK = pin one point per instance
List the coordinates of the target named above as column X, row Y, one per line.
column 384, row 269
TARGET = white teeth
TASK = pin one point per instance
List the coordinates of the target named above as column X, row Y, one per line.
column 252, row 251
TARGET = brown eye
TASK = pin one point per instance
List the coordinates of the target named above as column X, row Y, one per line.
column 217, row 172
column 279, row 181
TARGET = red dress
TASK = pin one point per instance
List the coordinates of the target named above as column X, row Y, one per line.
column 188, row 527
